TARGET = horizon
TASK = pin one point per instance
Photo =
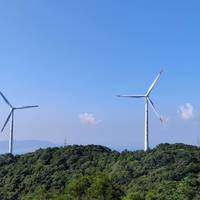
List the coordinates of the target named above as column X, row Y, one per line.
column 73, row 58
column 23, row 147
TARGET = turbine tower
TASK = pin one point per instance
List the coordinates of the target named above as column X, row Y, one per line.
column 148, row 102
column 11, row 115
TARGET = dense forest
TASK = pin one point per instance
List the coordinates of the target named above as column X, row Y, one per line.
column 167, row 172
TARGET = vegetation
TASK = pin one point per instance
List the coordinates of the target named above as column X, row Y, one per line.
column 168, row 172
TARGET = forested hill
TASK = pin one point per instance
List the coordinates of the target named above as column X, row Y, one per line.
column 170, row 172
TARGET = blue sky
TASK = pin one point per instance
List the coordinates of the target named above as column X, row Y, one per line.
column 73, row 57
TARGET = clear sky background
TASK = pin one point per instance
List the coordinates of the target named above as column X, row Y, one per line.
column 72, row 57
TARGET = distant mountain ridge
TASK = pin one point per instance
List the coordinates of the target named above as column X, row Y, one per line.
column 25, row 146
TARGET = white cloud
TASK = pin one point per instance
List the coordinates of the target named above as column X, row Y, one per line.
column 186, row 112
column 88, row 119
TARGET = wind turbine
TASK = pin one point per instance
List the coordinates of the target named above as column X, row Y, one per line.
column 148, row 102
column 11, row 115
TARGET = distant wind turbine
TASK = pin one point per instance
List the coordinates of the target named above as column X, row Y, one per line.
column 11, row 115
column 147, row 102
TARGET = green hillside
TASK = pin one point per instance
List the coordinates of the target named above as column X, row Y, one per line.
column 93, row 172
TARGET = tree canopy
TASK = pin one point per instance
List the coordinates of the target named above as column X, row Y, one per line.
column 92, row 172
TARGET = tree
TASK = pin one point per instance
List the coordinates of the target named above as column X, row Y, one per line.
column 134, row 196
column 77, row 188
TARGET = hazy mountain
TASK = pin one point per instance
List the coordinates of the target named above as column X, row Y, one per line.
column 25, row 146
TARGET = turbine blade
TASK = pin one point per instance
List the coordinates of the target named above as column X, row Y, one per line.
column 6, row 121
column 132, row 96
column 153, row 84
column 154, row 109
column 5, row 99
column 25, row 107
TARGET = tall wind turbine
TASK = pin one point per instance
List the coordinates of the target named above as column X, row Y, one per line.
column 148, row 102
column 11, row 115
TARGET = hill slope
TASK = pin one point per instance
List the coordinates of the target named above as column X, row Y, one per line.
column 97, row 173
